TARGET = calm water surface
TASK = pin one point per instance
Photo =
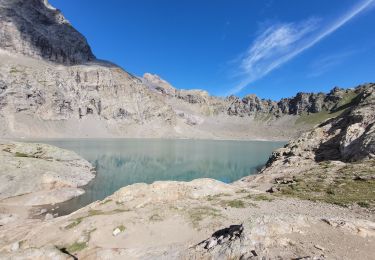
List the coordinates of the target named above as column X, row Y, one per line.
column 120, row 162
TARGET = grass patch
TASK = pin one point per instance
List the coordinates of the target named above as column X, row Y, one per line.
column 347, row 100
column 316, row 118
column 92, row 213
column 74, row 223
column 260, row 197
column 200, row 213
column 76, row 247
column 217, row 196
column 15, row 70
column 121, row 228
column 336, row 186
column 105, row 202
column 234, row 203
column 241, row 191
column 18, row 154
column 118, row 211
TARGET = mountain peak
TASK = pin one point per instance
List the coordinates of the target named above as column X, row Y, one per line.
column 35, row 28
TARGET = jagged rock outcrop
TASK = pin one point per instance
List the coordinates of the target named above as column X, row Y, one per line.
column 36, row 29
column 251, row 105
column 156, row 83
column 348, row 137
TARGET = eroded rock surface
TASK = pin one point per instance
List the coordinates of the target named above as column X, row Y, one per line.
column 38, row 174
column 202, row 219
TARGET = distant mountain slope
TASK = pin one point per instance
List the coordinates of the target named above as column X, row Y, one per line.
column 301, row 104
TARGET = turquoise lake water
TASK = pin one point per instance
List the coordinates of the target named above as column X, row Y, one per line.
column 120, row 162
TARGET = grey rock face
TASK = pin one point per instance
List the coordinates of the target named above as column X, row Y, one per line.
column 302, row 103
column 250, row 105
column 348, row 137
column 36, row 29
column 98, row 92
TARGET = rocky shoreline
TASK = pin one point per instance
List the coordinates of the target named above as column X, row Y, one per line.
column 35, row 175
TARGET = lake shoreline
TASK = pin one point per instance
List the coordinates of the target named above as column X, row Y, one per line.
column 20, row 139
column 160, row 160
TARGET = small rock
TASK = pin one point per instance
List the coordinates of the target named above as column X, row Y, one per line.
column 272, row 190
column 116, row 232
column 15, row 246
column 42, row 211
column 211, row 243
column 319, row 247
column 48, row 216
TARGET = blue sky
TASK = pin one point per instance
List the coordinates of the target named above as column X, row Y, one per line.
column 271, row 48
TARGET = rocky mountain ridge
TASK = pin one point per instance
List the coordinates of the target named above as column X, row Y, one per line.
column 51, row 85
column 251, row 104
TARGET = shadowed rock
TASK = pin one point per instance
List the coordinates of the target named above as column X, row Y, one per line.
column 36, row 29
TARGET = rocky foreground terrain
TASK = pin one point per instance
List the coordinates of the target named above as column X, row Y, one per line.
column 315, row 199
column 38, row 174
column 52, row 85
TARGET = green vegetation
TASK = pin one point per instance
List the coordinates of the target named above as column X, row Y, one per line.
column 260, row 197
column 264, row 117
column 233, row 203
column 18, row 154
column 74, row 223
column 121, row 228
column 242, row 191
column 92, row 213
column 337, row 186
column 347, row 100
column 316, row 118
column 198, row 214
column 105, row 202
column 76, row 247
column 217, row 196
column 15, row 70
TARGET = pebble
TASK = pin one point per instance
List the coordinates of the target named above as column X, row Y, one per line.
column 319, row 247
column 15, row 246
column 48, row 216
column 116, row 232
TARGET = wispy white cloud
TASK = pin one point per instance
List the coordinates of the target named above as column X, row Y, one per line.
column 325, row 63
column 282, row 42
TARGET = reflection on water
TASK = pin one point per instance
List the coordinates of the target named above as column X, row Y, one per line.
column 120, row 162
